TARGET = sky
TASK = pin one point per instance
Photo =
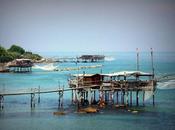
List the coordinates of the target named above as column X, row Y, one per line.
column 88, row 25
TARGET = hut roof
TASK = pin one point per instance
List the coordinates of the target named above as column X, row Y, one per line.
column 128, row 73
column 91, row 56
column 121, row 73
column 20, row 63
column 84, row 75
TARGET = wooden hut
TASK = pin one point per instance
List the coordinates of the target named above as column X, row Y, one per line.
column 91, row 58
column 124, row 83
column 79, row 80
column 20, row 65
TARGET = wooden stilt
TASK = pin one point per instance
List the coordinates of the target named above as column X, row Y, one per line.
column 76, row 100
column 39, row 94
column 62, row 92
column 143, row 98
column 131, row 98
column 127, row 98
column 1, row 102
column 153, row 99
column 32, row 101
column 72, row 96
column 106, row 98
column 89, row 97
column 123, row 96
column 94, row 96
column 137, row 98
column 117, row 98
column 86, row 95
column 59, row 100
column 112, row 97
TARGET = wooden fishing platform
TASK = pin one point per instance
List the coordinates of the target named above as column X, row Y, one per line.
column 85, row 86
column 99, row 89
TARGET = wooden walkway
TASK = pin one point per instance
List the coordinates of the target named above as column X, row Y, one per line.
column 32, row 91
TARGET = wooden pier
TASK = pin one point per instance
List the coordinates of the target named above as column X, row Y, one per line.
column 99, row 89
column 108, row 85
column 82, row 58
column 85, row 87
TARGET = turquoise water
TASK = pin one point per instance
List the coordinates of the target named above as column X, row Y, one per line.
column 17, row 113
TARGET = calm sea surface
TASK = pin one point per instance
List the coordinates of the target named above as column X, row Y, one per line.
column 17, row 114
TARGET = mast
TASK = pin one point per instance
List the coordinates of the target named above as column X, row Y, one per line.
column 137, row 59
column 152, row 63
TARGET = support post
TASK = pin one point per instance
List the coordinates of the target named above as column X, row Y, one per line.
column 137, row 59
column 143, row 98
column 75, row 93
column 111, row 94
column 1, row 102
column 152, row 64
column 60, row 98
column 86, row 95
column 121, row 94
column 123, row 97
column 106, row 96
column 38, row 94
column 127, row 98
column 32, row 102
column 130, row 97
column 94, row 97
column 117, row 98
column 137, row 98
column 153, row 99
column 72, row 96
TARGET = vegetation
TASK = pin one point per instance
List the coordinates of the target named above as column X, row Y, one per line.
column 15, row 48
column 15, row 52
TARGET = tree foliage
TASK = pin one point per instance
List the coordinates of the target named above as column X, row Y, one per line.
column 15, row 48
column 15, row 52
column 4, row 55
column 30, row 55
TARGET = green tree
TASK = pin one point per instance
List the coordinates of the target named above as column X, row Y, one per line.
column 2, row 51
column 30, row 55
column 4, row 55
column 15, row 52
column 15, row 48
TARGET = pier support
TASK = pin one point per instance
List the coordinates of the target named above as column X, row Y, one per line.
column 143, row 98
column 38, row 94
column 72, row 98
column 117, row 98
column 89, row 96
column 127, row 98
column 106, row 96
column 137, row 98
column 1, row 102
column 131, row 98
column 60, row 98
column 32, row 101
column 123, row 97
column 153, row 99
column 76, row 97
column 111, row 96
column 94, row 100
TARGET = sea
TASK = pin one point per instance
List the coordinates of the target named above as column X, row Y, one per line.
column 18, row 115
